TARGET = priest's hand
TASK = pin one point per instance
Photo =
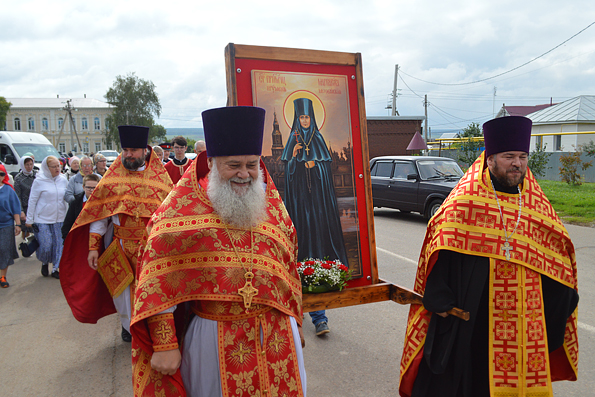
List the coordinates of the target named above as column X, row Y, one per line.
column 443, row 314
column 167, row 362
column 92, row 259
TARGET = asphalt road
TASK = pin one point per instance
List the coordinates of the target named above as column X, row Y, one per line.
column 45, row 352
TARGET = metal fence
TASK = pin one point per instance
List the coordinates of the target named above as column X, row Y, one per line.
column 552, row 170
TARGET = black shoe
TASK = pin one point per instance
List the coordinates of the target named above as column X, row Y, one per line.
column 44, row 270
column 322, row 328
column 56, row 274
column 126, row 337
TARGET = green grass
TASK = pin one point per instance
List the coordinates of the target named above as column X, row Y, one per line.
column 574, row 204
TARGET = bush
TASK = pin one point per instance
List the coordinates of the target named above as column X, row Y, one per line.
column 571, row 164
column 538, row 160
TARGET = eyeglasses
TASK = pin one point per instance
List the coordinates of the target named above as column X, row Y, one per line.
column 89, row 188
column 2, row 174
column 179, row 147
column 54, row 166
column 88, row 166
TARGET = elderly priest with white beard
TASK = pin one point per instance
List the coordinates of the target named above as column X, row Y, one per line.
column 218, row 307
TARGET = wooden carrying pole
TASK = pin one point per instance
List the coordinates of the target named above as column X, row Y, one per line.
column 377, row 290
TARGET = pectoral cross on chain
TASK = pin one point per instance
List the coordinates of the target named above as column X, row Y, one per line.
column 507, row 247
column 248, row 291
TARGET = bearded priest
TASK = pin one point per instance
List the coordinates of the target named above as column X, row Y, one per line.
column 497, row 249
column 101, row 249
column 218, row 307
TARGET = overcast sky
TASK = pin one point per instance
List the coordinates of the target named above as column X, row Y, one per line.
column 74, row 48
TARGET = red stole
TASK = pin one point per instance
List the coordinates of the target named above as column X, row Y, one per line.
column 469, row 222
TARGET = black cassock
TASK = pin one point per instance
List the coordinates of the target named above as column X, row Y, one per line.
column 455, row 361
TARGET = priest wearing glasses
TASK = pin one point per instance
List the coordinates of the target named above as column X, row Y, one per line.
column 219, row 276
column 497, row 249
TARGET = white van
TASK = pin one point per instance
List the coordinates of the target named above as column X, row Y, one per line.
column 14, row 144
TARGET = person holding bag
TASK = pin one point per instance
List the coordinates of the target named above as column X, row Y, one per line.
column 10, row 225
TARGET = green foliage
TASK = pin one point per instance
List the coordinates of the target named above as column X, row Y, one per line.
column 191, row 142
column 573, row 203
column 469, row 148
column 157, row 133
column 4, row 107
column 571, row 165
column 135, row 103
column 538, row 160
column 589, row 148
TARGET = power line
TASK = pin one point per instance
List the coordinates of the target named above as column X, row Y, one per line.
column 508, row 71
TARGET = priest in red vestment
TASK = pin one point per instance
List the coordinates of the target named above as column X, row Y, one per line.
column 218, row 307
column 100, row 251
column 497, row 249
column 180, row 163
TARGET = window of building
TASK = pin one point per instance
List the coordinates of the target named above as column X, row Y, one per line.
column 17, row 124
column 97, row 124
column 62, row 147
column 84, row 124
column 31, row 124
column 44, row 124
column 97, row 146
column 86, row 147
column 60, row 122
column 558, row 142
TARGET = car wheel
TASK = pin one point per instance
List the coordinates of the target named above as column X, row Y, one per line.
column 432, row 208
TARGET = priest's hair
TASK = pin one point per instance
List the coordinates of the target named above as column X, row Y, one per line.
column 243, row 210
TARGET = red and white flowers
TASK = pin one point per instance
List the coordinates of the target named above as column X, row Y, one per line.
column 315, row 272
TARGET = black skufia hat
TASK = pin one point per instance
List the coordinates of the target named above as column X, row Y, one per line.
column 233, row 131
column 133, row 136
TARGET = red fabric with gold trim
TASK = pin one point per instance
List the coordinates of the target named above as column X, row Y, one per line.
column 190, row 257
column 469, row 222
column 163, row 332
column 176, row 171
column 120, row 191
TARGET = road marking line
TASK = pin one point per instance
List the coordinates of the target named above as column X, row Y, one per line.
column 397, row 255
column 586, row 327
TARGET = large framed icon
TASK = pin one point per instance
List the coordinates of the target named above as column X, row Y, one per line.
column 315, row 148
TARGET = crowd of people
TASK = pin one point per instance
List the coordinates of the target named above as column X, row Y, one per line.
column 199, row 260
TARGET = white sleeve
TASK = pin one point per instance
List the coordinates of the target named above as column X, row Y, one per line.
column 99, row 227
column 33, row 198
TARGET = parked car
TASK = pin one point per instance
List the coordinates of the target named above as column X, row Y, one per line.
column 15, row 144
column 110, row 156
column 413, row 183
column 190, row 156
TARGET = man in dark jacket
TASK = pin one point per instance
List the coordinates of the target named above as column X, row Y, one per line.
column 74, row 209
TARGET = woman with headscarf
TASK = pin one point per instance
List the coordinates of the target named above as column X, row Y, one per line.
column 100, row 164
column 10, row 225
column 73, row 167
column 22, row 186
column 310, row 195
column 47, row 210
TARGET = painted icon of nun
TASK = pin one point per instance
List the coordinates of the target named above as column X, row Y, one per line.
column 309, row 190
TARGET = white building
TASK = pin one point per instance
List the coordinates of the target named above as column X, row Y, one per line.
column 47, row 115
column 556, row 126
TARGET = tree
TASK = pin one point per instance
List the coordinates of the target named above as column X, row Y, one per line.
column 157, row 133
column 538, row 160
column 469, row 147
column 571, row 165
column 135, row 103
column 4, row 107
column 191, row 142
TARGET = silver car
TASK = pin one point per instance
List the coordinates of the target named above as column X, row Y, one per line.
column 110, row 156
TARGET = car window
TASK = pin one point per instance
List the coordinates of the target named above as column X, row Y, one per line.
column 40, row 151
column 402, row 169
column 431, row 169
column 382, row 169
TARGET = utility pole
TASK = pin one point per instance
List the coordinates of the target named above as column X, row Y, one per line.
column 426, row 114
column 68, row 115
column 394, row 108
column 494, row 104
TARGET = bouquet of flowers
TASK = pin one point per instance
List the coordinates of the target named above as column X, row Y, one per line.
column 319, row 275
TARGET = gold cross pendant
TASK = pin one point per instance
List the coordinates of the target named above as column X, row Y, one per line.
column 248, row 291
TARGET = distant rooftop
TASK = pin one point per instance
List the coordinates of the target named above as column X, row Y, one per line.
column 56, row 103
column 521, row 110
column 385, row 118
column 580, row 109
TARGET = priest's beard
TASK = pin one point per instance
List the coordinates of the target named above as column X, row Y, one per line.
column 241, row 209
column 132, row 164
column 510, row 177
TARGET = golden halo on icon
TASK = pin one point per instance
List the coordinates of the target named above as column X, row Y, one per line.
column 288, row 108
